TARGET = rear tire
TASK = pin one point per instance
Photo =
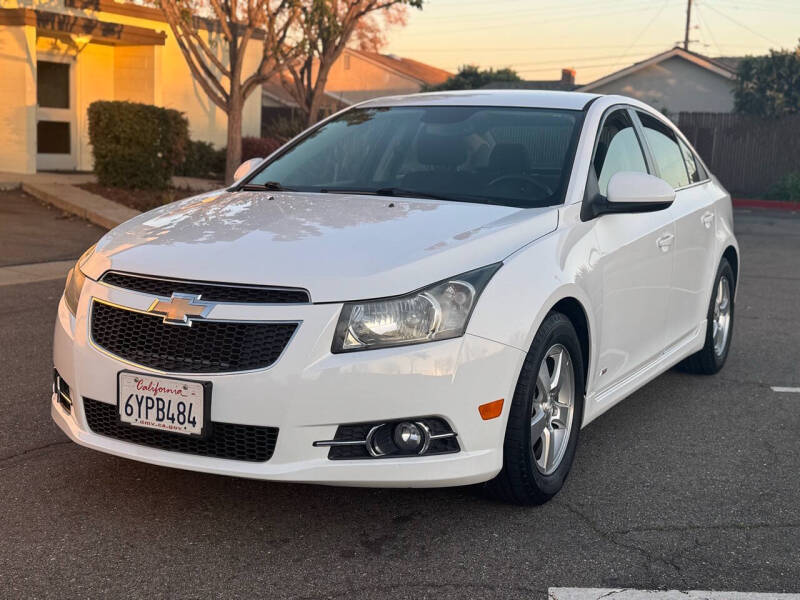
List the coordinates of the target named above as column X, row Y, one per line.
column 545, row 417
column 719, row 326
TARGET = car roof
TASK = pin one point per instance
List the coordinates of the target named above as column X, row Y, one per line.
column 511, row 98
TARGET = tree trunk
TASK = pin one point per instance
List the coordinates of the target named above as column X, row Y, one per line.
column 318, row 92
column 233, row 157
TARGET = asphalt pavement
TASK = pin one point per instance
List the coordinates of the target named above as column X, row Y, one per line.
column 691, row 483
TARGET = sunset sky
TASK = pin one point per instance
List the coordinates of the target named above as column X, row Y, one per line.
column 595, row 37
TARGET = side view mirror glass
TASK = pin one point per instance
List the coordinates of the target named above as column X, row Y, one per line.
column 246, row 168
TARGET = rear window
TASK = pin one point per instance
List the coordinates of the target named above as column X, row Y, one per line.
column 668, row 155
column 512, row 156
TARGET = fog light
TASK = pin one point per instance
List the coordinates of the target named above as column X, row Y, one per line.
column 408, row 436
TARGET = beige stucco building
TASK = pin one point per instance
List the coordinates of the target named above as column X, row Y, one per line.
column 358, row 75
column 674, row 81
column 59, row 56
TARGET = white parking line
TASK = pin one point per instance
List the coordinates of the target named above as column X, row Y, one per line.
column 786, row 390
column 629, row 594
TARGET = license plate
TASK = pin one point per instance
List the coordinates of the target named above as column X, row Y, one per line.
column 174, row 405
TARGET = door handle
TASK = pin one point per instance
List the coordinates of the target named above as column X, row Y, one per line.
column 665, row 242
column 707, row 219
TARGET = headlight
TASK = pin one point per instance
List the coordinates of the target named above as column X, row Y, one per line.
column 75, row 281
column 436, row 312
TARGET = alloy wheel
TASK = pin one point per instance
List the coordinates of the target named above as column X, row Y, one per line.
column 721, row 320
column 553, row 408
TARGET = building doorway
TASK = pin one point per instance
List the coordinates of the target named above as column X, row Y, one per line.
column 56, row 138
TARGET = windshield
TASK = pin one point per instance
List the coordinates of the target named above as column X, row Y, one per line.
column 497, row 155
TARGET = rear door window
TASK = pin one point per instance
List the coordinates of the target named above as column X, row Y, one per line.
column 693, row 166
column 665, row 149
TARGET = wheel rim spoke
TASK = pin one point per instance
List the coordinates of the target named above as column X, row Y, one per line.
column 538, row 424
column 558, row 364
column 546, row 458
column 545, row 381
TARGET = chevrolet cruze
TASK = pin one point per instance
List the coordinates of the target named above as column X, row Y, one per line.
column 425, row 290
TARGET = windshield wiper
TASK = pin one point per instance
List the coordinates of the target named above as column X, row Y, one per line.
column 403, row 192
column 270, row 186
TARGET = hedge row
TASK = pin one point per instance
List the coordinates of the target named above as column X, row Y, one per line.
column 140, row 146
column 136, row 146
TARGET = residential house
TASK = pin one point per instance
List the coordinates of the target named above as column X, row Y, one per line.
column 675, row 81
column 59, row 56
column 357, row 76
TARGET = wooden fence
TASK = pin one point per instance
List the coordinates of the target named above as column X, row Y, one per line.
column 748, row 154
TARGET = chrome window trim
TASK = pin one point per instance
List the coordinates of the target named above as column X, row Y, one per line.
column 691, row 185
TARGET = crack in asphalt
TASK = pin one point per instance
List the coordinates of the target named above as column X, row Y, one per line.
column 24, row 455
column 720, row 527
column 609, row 537
column 613, row 592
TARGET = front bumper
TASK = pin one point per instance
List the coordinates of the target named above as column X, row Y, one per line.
column 308, row 393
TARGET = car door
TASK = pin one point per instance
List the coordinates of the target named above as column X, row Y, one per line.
column 693, row 214
column 635, row 260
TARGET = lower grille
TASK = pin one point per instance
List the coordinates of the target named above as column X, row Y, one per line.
column 205, row 347
column 226, row 440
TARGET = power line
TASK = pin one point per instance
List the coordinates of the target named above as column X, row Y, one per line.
column 707, row 28
column 546, row 22
column 644, row 29
column 568, row 63
column 530, row 48
column 560, row 11
column 742, row 25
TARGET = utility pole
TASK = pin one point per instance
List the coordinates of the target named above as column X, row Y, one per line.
column 688, row 24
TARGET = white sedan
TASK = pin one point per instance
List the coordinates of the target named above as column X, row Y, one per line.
column 427, row 290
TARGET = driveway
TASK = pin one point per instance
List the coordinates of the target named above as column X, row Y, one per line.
column 691, row 483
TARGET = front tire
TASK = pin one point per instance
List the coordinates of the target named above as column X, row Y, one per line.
column 719, row 328
column 545, row 417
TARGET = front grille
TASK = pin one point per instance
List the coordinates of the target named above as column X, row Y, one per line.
column 207, row 291
column 225, row 440
column 205, row 347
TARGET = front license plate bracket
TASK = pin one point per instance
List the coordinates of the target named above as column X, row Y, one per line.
column 205, row 430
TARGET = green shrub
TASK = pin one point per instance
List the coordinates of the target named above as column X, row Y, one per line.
column 253, row 147
column 284, row 128
column 787, row 188
column 203, row 160
column 136, row 146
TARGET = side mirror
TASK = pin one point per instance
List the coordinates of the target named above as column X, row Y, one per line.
column 631, row 192
column 246, row 168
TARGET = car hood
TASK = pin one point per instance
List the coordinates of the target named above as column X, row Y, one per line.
column 337, row 246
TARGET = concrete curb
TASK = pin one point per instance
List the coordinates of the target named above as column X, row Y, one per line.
column 16, row 274
column 74, row 200
column 769, row 204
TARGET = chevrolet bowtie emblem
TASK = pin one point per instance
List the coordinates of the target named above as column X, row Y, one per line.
column 180, row 309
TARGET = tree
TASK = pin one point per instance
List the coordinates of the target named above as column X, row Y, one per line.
column 769, row 86
column 471, row 77
column 214, row 35
column 323, row 30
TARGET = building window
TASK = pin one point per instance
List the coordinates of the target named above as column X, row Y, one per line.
column 52, row 84
column 346, row 62
column 52, row 137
